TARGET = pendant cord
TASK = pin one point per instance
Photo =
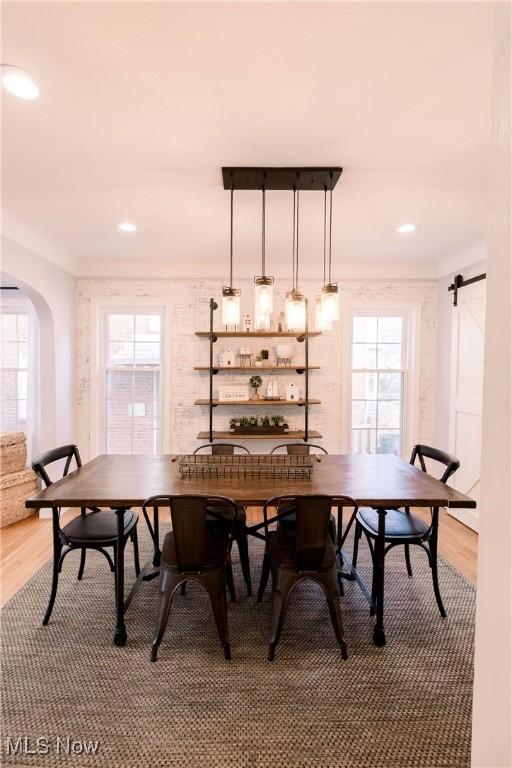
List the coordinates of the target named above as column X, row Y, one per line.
column 231, row 240
column 293, row 245
column 330, row 229
column 263, row 233
column 325, row 228
column 297, row 247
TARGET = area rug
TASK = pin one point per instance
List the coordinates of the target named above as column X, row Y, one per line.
column 92, row 704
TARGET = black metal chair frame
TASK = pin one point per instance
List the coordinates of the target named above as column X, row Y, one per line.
column 62, row 545
column 309, row 561
column 241, row 530
column 426, row 540
column 214, row 580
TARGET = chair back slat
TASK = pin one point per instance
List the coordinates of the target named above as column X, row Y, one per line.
column 188, row 515
column 222, row 449
column 298, row 449
column 68, row 452
column 311, row 530
column 422, row 452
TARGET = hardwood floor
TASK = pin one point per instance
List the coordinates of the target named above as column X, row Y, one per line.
column 25, row 546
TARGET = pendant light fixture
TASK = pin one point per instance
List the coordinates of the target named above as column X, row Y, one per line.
column 230, row 295
column 295, row 302
column 322, row 323
column 330, row 297
column 264, row 285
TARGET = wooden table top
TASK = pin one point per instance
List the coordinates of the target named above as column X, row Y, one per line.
column 127, row 480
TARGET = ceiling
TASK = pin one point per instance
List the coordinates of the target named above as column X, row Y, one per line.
column 142, row 103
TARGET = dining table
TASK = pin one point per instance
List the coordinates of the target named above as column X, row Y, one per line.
column 121, row 482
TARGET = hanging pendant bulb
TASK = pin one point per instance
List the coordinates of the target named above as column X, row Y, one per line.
column 295, row 301
column 295, row 311
column 330, row 306
column 264, row 285
column 330, row 303
column 230, row 306
column 230, row 295
column 321, row 324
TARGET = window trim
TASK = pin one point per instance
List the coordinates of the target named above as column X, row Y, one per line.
column 23, row 306
column 411, row 313
column 99, row 343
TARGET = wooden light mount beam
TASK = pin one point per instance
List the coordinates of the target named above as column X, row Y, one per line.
column 305, row 179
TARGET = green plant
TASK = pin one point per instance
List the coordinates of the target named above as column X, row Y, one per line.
column 277, row 421
column 255, row 382
column 253, row 421
column 244, row 421
column 265, row 421
column 234, row 422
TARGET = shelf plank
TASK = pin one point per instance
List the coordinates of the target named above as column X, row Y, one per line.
column 256, row 403
column 292, row 435
column 257, row 334
column 283, row 368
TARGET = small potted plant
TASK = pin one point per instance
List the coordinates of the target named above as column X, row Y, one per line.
column 234, row 423
column 278, row 423
column 265, row 422
column 255, row 382
column 258, row 362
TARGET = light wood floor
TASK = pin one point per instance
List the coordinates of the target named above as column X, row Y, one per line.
column 25, row 546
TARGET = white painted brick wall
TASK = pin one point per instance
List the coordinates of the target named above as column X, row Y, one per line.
column 186, row 306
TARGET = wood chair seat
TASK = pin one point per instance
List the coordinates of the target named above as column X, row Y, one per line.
column 399, row 524
column 215, row 551
column 282, row 552
column 96, row 527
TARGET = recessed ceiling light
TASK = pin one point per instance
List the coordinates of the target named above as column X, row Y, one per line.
column 18, row 82
column 127, row 226
column 405, row 228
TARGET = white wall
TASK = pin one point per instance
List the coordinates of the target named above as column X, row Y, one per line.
column 52, row 292
column 492, row 706
column 186, row 304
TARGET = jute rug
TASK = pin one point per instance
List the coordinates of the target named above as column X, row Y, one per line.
column 407, row 704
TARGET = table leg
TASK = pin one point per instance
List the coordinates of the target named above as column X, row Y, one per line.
column 379, row 637
column 120, row 636
column 156, row 529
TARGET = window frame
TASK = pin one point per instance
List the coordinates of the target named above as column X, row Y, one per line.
column 99, row 401
column 410, row 312
column 15, row 306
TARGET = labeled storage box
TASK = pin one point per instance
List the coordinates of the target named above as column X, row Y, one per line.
column 13, row 452
column 15, row 488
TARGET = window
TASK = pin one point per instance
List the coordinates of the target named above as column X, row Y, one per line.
column 15, row 333
column 378, row 383
column 132, row 377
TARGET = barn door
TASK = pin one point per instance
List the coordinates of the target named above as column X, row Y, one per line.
column 466, row 394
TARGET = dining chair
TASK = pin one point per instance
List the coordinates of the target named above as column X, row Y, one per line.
column 194, row 550
column 93, row 529
column 405, row 529
column 303, row 449
column 304, row 552
column 240, row 532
